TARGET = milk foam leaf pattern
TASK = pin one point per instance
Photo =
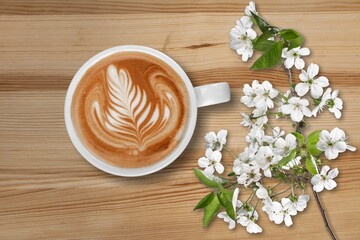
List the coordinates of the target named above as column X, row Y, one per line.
column 129, row 112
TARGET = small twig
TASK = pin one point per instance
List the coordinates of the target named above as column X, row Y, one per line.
column 230, row 152
column 291, row 82
column 323, row 214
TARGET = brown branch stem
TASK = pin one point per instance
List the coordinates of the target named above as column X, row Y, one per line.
column 323, row 214
column 299, row 127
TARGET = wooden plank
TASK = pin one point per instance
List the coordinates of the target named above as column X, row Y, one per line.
column 48, row 191
column 68, row 7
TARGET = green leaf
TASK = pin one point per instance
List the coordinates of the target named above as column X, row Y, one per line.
column 211, row 210
column 264, row 45
column 313, row 150
column 205, row 201
column 299, row 137
column 225, row 198
column 231, row 174
column 289, row 34
column 206, row 181
column 262, row 24
column 292, row 38
column 311, row 165
column 287, row 159
column 295, row 43
column 313, row 137
column 264, row 37
column 312, row 140
column 269, row 58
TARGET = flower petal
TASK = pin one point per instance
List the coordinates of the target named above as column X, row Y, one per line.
column 210, row 137
column 288, row 221
column 331, row 153
column 208, row 153
column 296, row 115
column 340, row 146
column 333, row 173
column 219, row 168
column 322, row 81
column 302, row 88
column 316, row 91
column 209, row 170
column 337, row 135
column 319, row 187
column 203, row 162
column 312, row 70
column 287, row 108
column 289, row 62
column 330, row 184
column 216, row 156
column 253, row 228
column 299, row 63
column 304, row 51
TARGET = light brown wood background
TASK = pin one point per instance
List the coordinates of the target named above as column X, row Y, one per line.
column 48, row 191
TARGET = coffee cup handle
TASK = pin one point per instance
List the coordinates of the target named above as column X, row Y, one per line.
column 212, row 94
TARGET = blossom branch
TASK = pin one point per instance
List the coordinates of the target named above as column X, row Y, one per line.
column 292, row 89
column 324, row 216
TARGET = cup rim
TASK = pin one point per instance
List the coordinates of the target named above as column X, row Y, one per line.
column 116, row 170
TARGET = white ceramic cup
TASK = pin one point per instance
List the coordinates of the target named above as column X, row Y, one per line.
column 199, row 97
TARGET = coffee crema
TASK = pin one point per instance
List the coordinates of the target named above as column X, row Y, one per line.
column 130, row 109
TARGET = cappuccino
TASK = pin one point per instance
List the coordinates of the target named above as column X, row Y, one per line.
column 130, row 109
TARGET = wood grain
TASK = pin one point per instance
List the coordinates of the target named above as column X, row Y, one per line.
column 48, row 191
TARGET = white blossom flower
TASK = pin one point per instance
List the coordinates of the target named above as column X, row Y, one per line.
column 297, row 108
column 293, row 56
column 216, row 141
column 255, row 137
column 250, row 93
column 224, row 216
column 324, row 179
column 283, row 147
column 295, row 204
column 250, row 173
column 325, row 97
column 279, row 214
column 245, row 157
column 261, row 192
column 264, row 95
column 247, row 217
column 241, row 36
column 310, row 82
column 250, row 8
column 257, row 118
column 251, row 226
column 333, row 143
column 335, row 104
column 211, row 162
column 265, row 157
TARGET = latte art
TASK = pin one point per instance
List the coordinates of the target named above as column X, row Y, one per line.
column 130, row 109
column 129, row 112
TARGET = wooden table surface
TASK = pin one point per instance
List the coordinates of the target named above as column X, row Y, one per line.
column 48, row 191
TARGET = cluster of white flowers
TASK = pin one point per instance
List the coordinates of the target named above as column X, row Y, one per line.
column 245, row 215
column 242, row 34
column 241, row 40
column 271, row 153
